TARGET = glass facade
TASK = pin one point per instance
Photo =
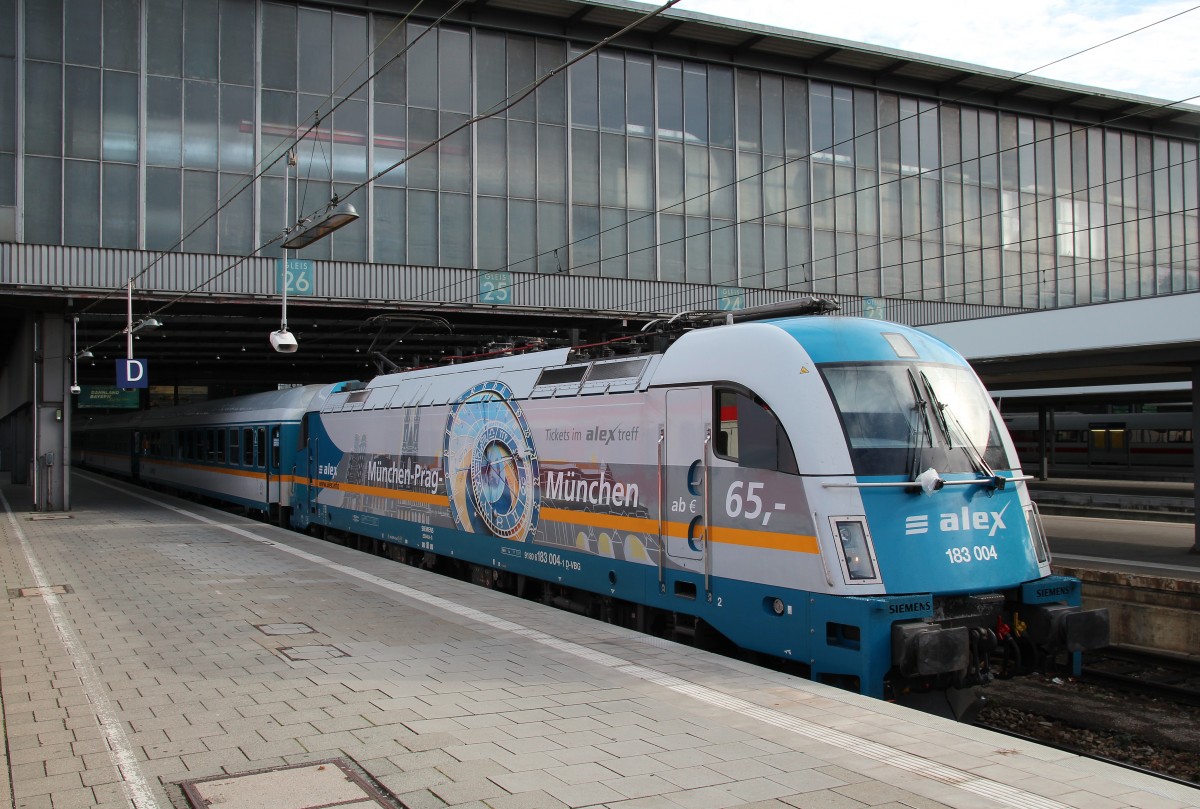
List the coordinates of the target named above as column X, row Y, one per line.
column 140, row 117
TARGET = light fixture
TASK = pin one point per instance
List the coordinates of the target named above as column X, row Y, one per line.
column 149, row 323
column 85, row 354
column 75, row 360
column 336, row 215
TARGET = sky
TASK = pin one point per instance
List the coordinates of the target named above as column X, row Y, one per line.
column 1162, row 62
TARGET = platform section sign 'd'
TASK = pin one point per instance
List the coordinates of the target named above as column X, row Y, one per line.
column 133, row 373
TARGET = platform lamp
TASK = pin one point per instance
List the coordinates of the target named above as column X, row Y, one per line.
column 337, row 214
column 150, row 322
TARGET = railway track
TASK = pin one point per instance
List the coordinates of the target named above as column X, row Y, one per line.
column 1129, row 707
column 1148, row 673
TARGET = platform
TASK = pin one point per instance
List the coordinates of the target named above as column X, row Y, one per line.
column 153, row 649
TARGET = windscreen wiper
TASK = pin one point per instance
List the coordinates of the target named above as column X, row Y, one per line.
column 945, row 415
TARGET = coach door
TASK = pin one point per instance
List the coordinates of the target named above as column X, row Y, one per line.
column 684, row 470
column 1108, row 444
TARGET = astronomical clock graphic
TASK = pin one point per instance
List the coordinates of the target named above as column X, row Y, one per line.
column 491, row 468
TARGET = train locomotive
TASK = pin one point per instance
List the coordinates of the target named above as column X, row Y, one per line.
column 834, row 491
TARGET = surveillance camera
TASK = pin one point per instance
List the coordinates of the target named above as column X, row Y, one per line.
column 284, row 342
column 76, row 389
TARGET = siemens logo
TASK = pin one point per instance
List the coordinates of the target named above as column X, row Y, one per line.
column 1050, row 592
column 911, row 606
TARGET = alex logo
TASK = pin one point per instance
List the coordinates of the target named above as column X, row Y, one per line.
column 963, row 520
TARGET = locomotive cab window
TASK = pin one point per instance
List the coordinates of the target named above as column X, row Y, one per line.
column 749, row 433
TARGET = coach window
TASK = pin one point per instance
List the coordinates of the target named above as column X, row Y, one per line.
column 750, row 434
column 220, row 446
column 234, row 446
column 210, row 439
column 262, row 447
column 247, row 447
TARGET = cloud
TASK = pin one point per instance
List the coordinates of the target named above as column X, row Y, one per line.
column 1015, row 35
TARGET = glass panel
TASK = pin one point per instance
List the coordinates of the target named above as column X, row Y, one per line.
column 200, row 53
column 199, row 124
column 81, row 46
column 696, row 251
column 670, row 176
column 669, row 81
column 199, row 200
column 612, row 92
column 749, row 110
column 43, row 30
column 120, row 116
column 278, row 46
column 120, row 205
column 584, row 92
column 552, row 95
column 492, row 145
column 43, row 109
column 493, row 230
column 389, row 225
column 122, row 34
column 236, row 217
column 552, row 163
column 522, row 236
column 422, row 228
column 695, row 180
column 81, row 195
column 390, row 143
column 349, row 56
column 772, row 114
column 8, row 101
column 585, row 243
column 454, row 70
column 349, row 124
column 750, row 246
column 423, row 66
column 552, row 237
column 723, row 183
column 641, row 246
column 670, row 251
column 843, row 125
column 390, row 80
column 456, row 230
column 521, row 74
column 162, row 209
column 491, row 82
column 164, row 121
column 612, row 170
column 585, row 167
column 455, row 153
column 522, row 170
column 612, row 243
column 8, row 180
column 720, row 106
column 865, row 146
column 237, row 42
column 278, row 128
column 723, row 246
column 639, row 96
column 81, row 112
column 316, row 62
column 237, row 128
column 422, row 131
column 640, row 184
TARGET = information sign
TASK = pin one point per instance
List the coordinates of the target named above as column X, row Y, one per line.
column 300, row 276
column 495, row 287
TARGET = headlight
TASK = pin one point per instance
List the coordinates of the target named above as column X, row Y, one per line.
column 1033, row 520
column 855, row 549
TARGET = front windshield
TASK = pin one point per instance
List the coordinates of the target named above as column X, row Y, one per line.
column 901, row 419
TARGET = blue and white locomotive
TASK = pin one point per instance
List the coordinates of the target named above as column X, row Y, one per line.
column 834, row 491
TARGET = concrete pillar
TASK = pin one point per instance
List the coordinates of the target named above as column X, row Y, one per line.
column 51, row 422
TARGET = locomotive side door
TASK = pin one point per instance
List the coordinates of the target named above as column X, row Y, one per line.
column 685, row 477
